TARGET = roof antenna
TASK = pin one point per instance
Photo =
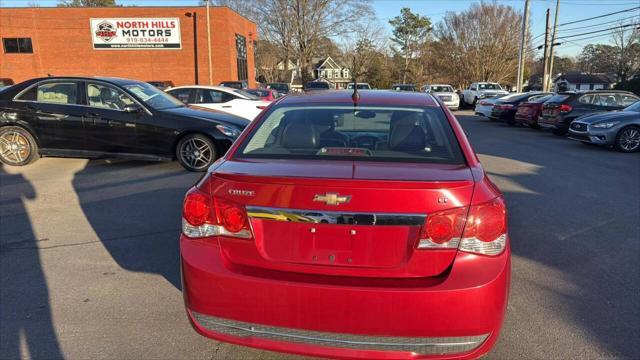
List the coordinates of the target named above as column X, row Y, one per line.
column 355, row 96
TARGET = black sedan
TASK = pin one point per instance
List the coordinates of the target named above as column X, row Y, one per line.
column 505, row 108
column 109, row 117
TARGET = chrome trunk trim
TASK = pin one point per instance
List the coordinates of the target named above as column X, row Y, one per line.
column 418, row 345
column 335, row 217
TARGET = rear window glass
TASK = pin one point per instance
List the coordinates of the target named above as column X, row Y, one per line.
column 540, row 99
column 558, row 98
column 317, row 85
column 368, row 133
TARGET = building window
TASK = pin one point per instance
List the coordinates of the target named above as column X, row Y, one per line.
column 330, row 74
column 336, row 73
column 17, row 45
column 241, row 51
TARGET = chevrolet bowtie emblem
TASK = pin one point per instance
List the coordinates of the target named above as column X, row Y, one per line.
column 332, row 198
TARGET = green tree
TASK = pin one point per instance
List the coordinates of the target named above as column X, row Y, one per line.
column 410, row 33
column 87, row 3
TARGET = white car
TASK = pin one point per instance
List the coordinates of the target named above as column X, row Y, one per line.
column 226, row 99
column 482, row 90
column 484, row 106
column 445, row 93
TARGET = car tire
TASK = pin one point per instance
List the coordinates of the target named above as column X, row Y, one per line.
column 196, row 152
column 17, row 146
column 534, row 126
column 628, row 139
column 559, row 132
column 475, row 100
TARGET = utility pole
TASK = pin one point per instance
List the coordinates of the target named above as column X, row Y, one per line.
column 209, row 44
column 523, row 43
column 553, row 45
column 545, row 76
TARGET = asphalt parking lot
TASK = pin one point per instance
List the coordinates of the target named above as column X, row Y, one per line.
column 89, row 254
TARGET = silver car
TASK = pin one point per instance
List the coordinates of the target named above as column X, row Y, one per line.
column 620, row 129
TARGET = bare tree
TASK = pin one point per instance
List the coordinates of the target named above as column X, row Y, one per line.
column 479, row 44
column 627, row 51
column 362, row 46
column 87, row 3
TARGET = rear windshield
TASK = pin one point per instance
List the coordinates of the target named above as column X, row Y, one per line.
column 489, row 86
column 558, row 98
column 317, row 85
column 541, row 99
column 279, row 87
column 369, row 133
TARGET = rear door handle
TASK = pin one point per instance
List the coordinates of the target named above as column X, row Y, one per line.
column 31, row 107
column 226, row 106
column 92, row 115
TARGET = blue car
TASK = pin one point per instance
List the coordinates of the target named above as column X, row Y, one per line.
column 620, row 129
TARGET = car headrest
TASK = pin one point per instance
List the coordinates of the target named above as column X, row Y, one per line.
column 107, row 94
column 406, row 133
column 300, row 135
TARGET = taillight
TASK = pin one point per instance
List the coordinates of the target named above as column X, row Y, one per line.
column 505, row 106
column 443, row 229
column 204, row 216
column 564, row 108
column 485, row 103
column 486, row 229
column 261, row 107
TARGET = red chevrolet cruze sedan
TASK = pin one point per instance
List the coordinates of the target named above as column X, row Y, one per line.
column 349, row 226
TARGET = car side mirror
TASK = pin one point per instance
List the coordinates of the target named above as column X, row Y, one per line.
column 132, row 108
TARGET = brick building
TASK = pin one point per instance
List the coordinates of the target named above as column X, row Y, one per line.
column 116, row 42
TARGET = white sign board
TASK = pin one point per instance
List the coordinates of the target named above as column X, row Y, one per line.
column 136, row 34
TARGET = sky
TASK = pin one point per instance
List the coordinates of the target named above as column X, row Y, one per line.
column 570, row 10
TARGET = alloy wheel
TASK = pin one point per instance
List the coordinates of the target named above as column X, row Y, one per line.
column 630, row 139
column 14, row 147
column 196, row 153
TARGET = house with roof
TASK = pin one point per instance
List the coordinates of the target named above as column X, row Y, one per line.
column 332, row 71
column 577, row 81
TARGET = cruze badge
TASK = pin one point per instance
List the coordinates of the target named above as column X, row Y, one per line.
column 332, row 198
column 237, row 192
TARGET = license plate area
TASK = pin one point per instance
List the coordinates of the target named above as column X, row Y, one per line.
column 336, row 244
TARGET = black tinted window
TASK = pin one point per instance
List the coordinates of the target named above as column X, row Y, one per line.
column 558, row 98
column 17, row 45
column 370, row 133
column 181, row 94
column 53, row 92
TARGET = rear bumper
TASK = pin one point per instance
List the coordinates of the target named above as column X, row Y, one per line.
column 457, row 317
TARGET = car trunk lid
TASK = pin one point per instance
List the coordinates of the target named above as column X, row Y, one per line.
column 354, row 218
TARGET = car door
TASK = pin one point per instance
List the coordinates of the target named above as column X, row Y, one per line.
column 214, row 99
column 55, row 110
column 608, row 102
column 110, row 124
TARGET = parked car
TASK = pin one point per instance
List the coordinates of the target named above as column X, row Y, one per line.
column 361, row 86
column 505, row 108
column 529, row 111
column 445, row 93
column 230, row 100
column 264, row 94
column 485, row 106
column 349, row 230
column 403, row 87
column 162, row 85
column 481, row 90
column 281, row 88
column 108, row 117
column 620, row 129
column 316, row 85
column 235, row 84
column 559, row 111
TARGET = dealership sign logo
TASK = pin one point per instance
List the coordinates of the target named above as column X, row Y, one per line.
column 136, row 34
column 106, row 31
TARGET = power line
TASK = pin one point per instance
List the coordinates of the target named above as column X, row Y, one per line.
column 600, row 16
column 598, row 31
column 601, row 24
